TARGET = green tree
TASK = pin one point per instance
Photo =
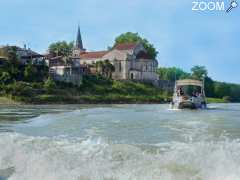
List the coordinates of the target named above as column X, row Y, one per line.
column 108, row 69
column 235, row 92
column 49, row 85
column 13, row 67
column 5, row 78
column 198, row 72
column 105, row 68
column 130, row 37
column 172, row 73
column 61, row 48
column 221, row 89
column 209, row 87
column 30, row 73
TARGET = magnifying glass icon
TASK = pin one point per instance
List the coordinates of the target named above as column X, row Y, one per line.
column 233, row 4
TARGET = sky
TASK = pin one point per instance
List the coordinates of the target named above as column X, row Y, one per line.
column 183, row 37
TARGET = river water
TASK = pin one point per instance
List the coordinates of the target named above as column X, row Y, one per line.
column 119, row 142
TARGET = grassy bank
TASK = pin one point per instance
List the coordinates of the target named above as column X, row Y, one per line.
column 7, row 100
column 216, row 100
column 94, row 90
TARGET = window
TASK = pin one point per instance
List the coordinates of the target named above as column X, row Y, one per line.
column 120, row 66
column 132, row 76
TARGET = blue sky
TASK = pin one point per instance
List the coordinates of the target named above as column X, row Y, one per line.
column 183, row 37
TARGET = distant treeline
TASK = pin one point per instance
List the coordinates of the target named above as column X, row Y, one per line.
column 215, row 89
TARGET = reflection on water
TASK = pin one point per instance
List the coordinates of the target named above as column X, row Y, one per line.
column 119, row 142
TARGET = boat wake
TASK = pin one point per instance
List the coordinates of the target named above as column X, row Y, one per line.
column 26, row 157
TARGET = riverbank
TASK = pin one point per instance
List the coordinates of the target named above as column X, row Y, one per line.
column 95, row 99
column 7, row 101
column 217, row 100
column 94, row 90
column 54, row 99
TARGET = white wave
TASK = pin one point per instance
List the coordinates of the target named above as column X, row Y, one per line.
column 38, row 158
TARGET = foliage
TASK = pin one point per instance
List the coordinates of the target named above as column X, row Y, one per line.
column 199, row 72
column 5, row 78
column 61, row 48
column 19, row 89
column 216, row 100
column 30, row 73
column 172, row 73
column 49, row 85
column 35, row 73
column 12, row 66
column 209, row 87
column 105, row 68
column 130, row 37
column 214, row 89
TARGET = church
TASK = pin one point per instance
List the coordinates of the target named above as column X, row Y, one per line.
column 130, row 60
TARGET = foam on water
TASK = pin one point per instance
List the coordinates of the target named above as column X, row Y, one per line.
column 37, row 158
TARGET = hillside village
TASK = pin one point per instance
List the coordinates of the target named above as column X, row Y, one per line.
column 127, row 72
column 130, row 61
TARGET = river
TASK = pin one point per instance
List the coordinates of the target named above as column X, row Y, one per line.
column 119, row 142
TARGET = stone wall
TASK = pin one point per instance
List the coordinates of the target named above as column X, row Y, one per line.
column 164, row 85
column 67, row 74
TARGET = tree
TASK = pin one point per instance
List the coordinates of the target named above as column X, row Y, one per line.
column 221, row 89
column 172, row 73
column 105, row 68
column 130, row 37
column 13, row 67
column 49, row 85
column 61, row 48
column 108, row 69
column 5, row 78
column 30, row 73
column 199, row 72
column 209, row 87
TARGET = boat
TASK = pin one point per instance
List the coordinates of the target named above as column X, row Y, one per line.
column 182, row 100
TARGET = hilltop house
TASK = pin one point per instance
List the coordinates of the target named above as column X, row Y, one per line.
column 26, row 55
column 131, row 60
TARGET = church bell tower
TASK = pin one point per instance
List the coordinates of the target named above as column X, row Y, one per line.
column 78, row 48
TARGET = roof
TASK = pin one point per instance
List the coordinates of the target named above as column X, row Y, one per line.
column 93, row 55
column 189, row 82
column 79, row 44
column 125, row 46
column 143, row 55
column 25, row 53
column 56, row 58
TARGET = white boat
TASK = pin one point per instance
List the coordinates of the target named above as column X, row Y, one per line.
column 182, row 100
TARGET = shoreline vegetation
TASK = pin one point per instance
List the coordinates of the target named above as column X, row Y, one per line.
column 31, row 84
column 94, row 90
column 51, row 99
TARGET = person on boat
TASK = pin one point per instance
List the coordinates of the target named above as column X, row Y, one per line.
column 181, row 91
column 194, row 94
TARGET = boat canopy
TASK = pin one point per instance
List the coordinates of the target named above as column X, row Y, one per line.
column 189, row 82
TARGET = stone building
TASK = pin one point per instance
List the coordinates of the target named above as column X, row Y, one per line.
column 131, row 60
column 68, row 74
column 26, row 55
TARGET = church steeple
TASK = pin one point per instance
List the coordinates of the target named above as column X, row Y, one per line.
column 79, row 44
